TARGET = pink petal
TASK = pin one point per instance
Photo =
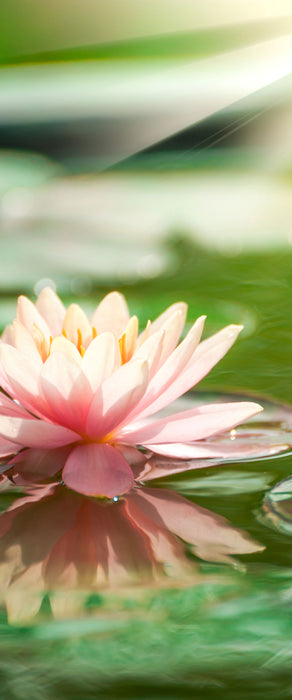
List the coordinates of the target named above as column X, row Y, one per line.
column 172, row 327
column 97, row 470
column 112, row 314
column 172, row 367
column 8, row 335
column 208, row 353
column 75, row 319
column 6, row 447
column 62, row 344
column 35, row 433
column 24, row 342
column 101, row 359
column 66, row 390
column 150, row 351
column 10, row 408
column 249, row 448
column 195, row 424
column 131, row 334
column 51, row 309
column 160, row 321
column 28, row 315
column 20, row 378
column 116, row 398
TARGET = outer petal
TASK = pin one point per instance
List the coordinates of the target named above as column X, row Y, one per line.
column 112, row 314
column 172, row 367
column 116, row 398
column 23, row 341
column 172, row 327
column 20, row 378
column 168, row 313
column 210, row 450
column 8, row 335
column 194, row 424
column 10, row 408
column 151, row 351
column 29, row 316
column 207, row 355
column 6, row 448
column 35, row 433
column 98, row 470
column 51, row 309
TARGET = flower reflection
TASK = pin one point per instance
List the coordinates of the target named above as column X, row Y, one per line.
column 59, row 542
column 97, row 384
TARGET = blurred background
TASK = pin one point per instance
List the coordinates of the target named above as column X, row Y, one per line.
column 147, row 146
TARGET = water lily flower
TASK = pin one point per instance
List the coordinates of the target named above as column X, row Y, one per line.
column 96, row 385
column 92, row 545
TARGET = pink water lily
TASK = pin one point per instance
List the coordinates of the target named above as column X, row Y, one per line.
column 95, row 385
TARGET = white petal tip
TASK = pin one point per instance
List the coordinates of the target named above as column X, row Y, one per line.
column 235, row 328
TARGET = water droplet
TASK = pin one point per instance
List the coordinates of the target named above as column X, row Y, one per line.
column 115, row 499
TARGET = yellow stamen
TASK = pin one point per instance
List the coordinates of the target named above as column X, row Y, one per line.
column 79, row 343
column 122, row 346
column 40, row 342
column 64, row 333
column 94, row 332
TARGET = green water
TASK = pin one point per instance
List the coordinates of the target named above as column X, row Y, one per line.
column 228, row 634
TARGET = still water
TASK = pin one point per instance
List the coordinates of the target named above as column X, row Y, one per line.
column 182, row 588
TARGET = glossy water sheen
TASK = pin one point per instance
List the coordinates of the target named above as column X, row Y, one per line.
column 198, row 619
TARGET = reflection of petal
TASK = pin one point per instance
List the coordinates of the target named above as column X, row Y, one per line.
column 166, row 548
column 32, row 466
column 24, row 597
column 57, row 541
column 64, row 605
column 97, row 470
column 123, row 552
column 211, row 535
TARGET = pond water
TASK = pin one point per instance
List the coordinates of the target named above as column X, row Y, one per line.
column 206, row 609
